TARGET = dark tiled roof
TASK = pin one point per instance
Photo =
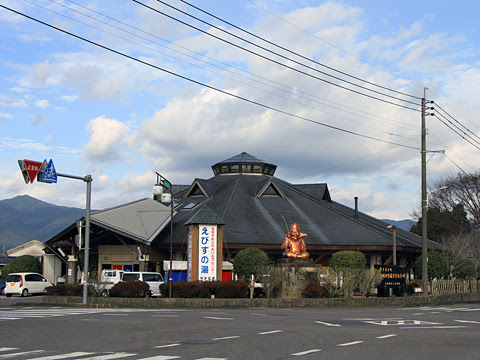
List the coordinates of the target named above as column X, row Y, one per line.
column 264, row 220
column 205, row 215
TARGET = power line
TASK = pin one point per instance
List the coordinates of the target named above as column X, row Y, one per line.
column 202, row 84
column 285, row 49
column 458, row 122
column 283, row 65
column 328, row 43
column 128, row 32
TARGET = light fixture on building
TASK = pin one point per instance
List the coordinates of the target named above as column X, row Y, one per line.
column 105, row 258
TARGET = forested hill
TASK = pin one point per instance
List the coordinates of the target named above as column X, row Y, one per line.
column 24, row 218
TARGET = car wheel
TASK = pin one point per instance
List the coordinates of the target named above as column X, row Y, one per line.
column 8, row 295
column 25, row 292
column 104, row 293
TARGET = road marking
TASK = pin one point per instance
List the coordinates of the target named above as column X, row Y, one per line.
column 258, row 314
column 467, row 321
column 226, row 338
column 160, row 357
column 217, row 318
column 434, row 327
column 386, row 336
column 110, row 356
column 327, row 324
column 270, row 332
column 23, row 353
column 165, row 346
column 63, row 356
column 400, row 322
column 306, row 352
column 115, row 314
column 351, row 343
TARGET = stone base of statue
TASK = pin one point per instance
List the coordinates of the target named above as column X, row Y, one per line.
column 295, row 274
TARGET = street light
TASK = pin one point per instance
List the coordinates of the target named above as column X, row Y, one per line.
column 163, row 183
column 394, row 228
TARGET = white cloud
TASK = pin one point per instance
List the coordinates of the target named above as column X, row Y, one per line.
column 43, row 103
column 109, row 139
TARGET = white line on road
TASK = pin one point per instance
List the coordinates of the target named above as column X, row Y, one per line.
column 468, row 321
column 161, row 357
column 165, row 346
column 306, row 352
column 386, row 336
column 270, row 332
column 217, row 318
column 63, row 356
column 226, row 338
column 351, row 343
column 327, row 324
column 110, row 356
column 433, row 327
column 23, row 353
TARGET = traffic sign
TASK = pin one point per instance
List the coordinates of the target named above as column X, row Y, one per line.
column 29, row 169
column 49, row 175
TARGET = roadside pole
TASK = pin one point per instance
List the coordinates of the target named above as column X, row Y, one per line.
column 46, row 173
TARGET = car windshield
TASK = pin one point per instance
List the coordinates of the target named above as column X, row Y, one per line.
column 14, row 278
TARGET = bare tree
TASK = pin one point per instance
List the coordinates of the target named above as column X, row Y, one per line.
column 461, row 189
column 458, row 247
column 270, row 277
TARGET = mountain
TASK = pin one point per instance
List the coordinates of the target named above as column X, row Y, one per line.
column 24, row 218
column 401, row 224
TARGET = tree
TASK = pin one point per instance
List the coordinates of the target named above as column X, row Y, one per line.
column 24, row 263
column 249, row 262
column 270, row 277
column 463, row 189
column 437, row 266
column 463, row 254
column 350, row 265
column 443, row 222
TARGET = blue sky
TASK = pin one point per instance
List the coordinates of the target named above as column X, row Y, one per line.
column 96, row 112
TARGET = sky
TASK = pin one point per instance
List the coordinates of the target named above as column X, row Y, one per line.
column 329, row 91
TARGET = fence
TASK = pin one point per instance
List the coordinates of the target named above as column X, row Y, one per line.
column 442, row 287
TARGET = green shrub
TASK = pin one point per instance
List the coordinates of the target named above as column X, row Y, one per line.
column 249, row 261
column 68, row 290
column 24, row 263
column 201, row 289
column 411, row 285
column 466, row 270
column 130, row 289
column 313, row 289
column 348, row 260
column 437, row 266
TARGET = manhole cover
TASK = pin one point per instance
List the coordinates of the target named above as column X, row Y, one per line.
column 200, row 341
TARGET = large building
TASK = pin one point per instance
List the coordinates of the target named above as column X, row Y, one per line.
column 252, row 208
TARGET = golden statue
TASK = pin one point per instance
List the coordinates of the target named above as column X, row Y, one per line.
column 294, row 244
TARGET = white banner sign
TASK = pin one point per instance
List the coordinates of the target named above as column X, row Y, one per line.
column 207, row 253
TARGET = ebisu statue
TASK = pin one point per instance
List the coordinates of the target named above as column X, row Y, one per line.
column 294, row 244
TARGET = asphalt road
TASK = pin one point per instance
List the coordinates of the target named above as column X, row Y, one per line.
column 451, row 332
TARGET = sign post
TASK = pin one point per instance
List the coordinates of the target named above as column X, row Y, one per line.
column 45, row 172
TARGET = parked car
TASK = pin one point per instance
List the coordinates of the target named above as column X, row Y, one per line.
column 2, row 287
column 153, row 279
column 108, row 278
column 25, row 284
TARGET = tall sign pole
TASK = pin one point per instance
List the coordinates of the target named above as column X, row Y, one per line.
column 424, row 201
column 45, row 172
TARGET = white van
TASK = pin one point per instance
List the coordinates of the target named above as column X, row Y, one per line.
column 153, row 279
column 25, row 284
column 108, row 278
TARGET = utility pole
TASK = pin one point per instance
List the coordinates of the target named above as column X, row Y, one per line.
column 424, row 201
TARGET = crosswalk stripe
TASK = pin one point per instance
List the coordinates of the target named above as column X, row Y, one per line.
column 160, row 357
column 110, row 356
column 63, row 356
column 23, row 353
